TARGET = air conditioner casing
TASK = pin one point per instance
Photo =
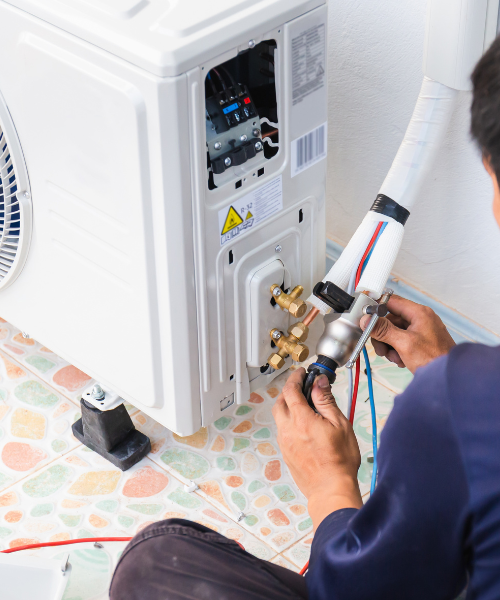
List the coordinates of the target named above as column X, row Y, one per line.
column 126, row 275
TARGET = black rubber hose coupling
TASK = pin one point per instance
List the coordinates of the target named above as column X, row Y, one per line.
column 322, row 366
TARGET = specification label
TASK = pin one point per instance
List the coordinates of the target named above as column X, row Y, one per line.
column 250, row 210
column 308, row 62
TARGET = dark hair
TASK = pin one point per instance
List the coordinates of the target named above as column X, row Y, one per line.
column 485, row 110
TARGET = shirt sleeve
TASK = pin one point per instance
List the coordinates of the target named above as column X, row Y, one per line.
column 407, row 540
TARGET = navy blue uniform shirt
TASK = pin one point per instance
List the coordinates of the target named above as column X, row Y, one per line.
column 433, row 523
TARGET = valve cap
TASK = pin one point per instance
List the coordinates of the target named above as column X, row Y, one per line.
column 299, row 330
column 276, row 361
column 297, row 308
column 300, row 353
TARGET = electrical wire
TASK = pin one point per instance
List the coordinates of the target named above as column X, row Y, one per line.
column 367, row 251
column 374, row 420
column 212, row 85
column 373, row 247
column 349, row 393
column 355, row 392
column 219, row 77
column 229, row 76
column 66, row 543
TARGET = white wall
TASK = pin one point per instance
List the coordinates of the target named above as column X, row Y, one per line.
column 451, row 248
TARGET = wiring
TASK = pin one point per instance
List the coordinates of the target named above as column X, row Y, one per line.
column 367, row 251
column 66, row 543
column 219, row 77
column 355, row 392
column 374, row 420
column 373, row 247
column 212, row 84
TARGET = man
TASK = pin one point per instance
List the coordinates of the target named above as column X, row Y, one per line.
column 431, row 527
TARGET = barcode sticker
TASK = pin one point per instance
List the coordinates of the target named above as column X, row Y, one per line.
column 309, row 149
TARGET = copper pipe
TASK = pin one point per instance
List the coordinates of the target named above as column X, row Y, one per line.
column 309, row 318
column 270, row 133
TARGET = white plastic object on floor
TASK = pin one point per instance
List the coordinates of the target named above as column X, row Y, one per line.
column 458, row 32
column 29, row 577
column 423, row 137
column 129, row 276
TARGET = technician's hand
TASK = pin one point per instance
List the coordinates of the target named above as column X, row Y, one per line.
column 320, row 450
column 412, row 335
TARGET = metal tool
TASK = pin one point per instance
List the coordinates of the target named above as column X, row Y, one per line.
column 376, row 312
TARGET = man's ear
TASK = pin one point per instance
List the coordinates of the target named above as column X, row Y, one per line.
column 487, row 165
column 496, row 188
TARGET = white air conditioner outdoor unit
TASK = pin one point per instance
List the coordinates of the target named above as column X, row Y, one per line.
column 162, row 165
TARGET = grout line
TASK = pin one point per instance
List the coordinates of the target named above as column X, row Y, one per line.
column 51, row 386
column 40, row 468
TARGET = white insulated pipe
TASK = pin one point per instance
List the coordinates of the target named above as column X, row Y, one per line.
column 427, row 128
column 415, row 156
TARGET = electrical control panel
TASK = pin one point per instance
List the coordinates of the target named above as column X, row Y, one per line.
column 241, row 114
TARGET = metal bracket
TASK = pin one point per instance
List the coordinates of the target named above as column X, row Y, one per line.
column 101, row 398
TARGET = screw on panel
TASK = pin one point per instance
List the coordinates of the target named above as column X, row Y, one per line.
column 277, row 292
column 97, row 392
column 241, row 516
column 276, row 335
column 251, row 44
column 25, row 335
column 217, row 145
column 98, row 545
column 256, row 132
column 258, row 146
column 27, row 195
column 278, row 249
column 227, row 162
column 243, row 138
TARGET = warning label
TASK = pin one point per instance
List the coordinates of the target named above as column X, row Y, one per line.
column 250, row 210
column 308, row 62
column 233, row 219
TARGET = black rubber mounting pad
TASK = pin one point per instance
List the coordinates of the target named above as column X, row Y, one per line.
column 125, row 454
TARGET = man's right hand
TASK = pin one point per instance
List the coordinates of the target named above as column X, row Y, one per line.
column 411, row 336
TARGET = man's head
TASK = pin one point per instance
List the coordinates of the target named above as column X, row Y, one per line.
column 485, row 115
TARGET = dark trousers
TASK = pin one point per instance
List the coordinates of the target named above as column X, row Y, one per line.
column 177, row 559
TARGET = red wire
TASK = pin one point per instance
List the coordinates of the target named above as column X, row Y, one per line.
column 66, row 542
column 304, row 568
column 355, row 392
column 367, row 251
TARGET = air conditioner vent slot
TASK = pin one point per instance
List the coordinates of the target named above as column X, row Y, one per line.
column 15, row 201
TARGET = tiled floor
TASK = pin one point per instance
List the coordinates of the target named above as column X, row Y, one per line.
column 53, row 488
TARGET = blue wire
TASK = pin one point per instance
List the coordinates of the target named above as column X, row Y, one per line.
column 372, row 248
column 374, row 420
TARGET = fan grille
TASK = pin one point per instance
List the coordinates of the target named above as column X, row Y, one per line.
column 10, row 212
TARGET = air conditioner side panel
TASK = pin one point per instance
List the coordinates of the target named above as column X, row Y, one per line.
column 94, row 143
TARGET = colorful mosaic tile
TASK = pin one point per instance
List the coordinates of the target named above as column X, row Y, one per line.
column 82, row 495
column 52, row 488
column 35, row 423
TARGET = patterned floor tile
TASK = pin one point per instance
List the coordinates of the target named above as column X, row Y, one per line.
column 299, row 553
column 81, row 495
column 52, row 488
column 35, row 423
column 283, row 562
column 65, row 378
column 238, row 467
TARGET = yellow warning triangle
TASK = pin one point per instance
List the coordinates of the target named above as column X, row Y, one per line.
column 249, row 216
column 233, row 219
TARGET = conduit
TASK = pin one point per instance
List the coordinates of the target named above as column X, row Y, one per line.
column 416, row 155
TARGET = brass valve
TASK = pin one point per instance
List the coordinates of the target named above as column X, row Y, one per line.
column 290, row 302
column 289, row 345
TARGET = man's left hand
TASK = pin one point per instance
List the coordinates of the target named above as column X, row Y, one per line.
column 320, row 450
